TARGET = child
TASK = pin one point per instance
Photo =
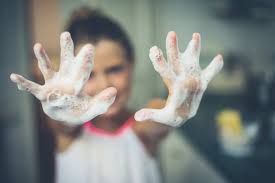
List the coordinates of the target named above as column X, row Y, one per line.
column 99, row 139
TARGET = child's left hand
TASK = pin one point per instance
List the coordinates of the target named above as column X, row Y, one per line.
column 185, row 80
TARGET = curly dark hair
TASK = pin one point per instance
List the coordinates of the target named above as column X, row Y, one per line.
column 92, row 25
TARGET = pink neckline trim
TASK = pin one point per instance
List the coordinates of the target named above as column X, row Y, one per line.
column 91, row 128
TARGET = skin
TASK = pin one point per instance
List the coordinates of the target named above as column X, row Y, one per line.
column 96, row 85
column 62, row 96
column 185, row 80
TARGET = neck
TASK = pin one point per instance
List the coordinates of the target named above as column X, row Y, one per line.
column 112, row 123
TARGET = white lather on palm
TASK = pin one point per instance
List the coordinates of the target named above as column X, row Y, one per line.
column 185, row 80
column 62, row 95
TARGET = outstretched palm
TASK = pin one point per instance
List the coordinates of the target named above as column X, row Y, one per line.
column 62, row 95
column 184, row 78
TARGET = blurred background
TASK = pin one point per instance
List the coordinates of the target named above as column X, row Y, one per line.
column 232, row 136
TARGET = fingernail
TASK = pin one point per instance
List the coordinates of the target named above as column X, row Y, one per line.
column 13, row 77
column 219, row 56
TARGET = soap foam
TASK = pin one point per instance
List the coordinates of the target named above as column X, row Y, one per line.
column 62, row 95
column 188, row 81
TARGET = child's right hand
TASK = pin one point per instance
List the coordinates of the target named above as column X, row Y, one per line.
column 62, row 95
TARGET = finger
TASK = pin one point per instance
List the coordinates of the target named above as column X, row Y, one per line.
column 84, row 60
column 212, row 69
column 192, row 52
column 24, row 84
column 83, row 65
column 44, row 62
column 194, row 45
column 159, row 63
column 173, row 51
column 67, row 51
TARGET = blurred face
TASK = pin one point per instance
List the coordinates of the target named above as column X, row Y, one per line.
column 110, row 69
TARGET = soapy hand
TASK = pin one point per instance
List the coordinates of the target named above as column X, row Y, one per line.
column 62, row 95
column 185, row 80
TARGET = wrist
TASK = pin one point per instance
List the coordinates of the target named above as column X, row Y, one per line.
column 61, row 128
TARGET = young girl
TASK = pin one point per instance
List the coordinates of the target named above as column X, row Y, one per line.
column 98, row 138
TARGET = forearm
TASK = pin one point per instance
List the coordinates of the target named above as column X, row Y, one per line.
column 151, row 131
column 64, row 134
column 151, row 134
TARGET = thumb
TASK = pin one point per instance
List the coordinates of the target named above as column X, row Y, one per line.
column 163, row 116
column 107, row 94
column 147, row 114
column 101, row 102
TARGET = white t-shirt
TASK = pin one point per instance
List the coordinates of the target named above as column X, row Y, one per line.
column 103, row 157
